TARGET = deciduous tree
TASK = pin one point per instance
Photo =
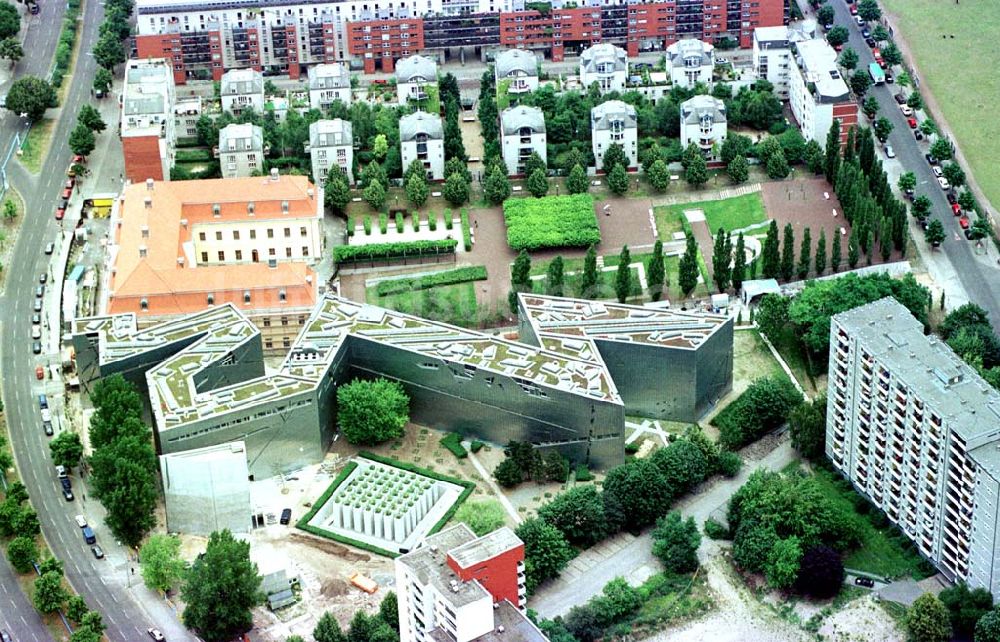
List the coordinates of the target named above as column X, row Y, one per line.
column 221, row 589
column 808, row 427
column 21, row 552
column 934, row 234
column 615, row 155
column 821, row 572
column 370, row 412
column 676, row 542
column 109, row 50
column 11, row 49
column 738, row 170
column 81, row 140
column 496, row 188
column 30, row 95
column 90, row 117
column 696, row 173
column 328, row 629
column 837, row 36
column 639, row 490
column 659, row 175
column 49, row 594
column 482, row 516
column 965, row 607
column 160, row 562
column 941, row 149
column 869, row 10
column 578, row 514
column 416, row 191
column 848, row 58
column 374, row 195
column 546, row 551
column 927, row 620
column 10, row 21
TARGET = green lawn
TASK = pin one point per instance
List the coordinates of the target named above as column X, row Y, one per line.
column 36, row 145
column 967, row 99
column 884, row 550
column 729, row 214
column 671, row 265
column 455, row 304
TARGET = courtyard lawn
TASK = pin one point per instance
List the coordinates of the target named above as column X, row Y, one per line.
column 884, row 551
column 455, row 304
column 940, row 36
column 730, row 214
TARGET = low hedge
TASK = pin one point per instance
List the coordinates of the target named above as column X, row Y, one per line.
column 551, row 221
column 383, row 222
column 67, row 39
column 375, row 251
column 427, row 281
column 193, row 155
column 466, row 231
column 350, row 224
column 449, row 221
column 453, row 443
column 476, row 446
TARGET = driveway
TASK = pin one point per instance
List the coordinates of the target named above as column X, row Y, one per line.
column 631, row 557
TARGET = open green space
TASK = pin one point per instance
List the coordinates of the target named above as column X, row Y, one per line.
column 36, row 144
column 730, row 214
column 752, row 359
column 455, row 304
column 884, row 551
column 402, row 284
column 940, row 35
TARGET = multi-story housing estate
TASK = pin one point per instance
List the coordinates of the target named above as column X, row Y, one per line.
column 516, row 72
column 421, row 137
column 148, row 129
column 203, row 41
column 183, row 246
column 605, row 64
column 414, row 75
column 463, row 588
column 691, row 62
column 187, row 111
column 917, row 432
column 331, row 144
column 241, row 150
column 204, row 378
column 772, row 53
column 703, row 122
column 242, row 89
column 522, row 131
column 613, row 122
column 329, row 82
column 817, row 94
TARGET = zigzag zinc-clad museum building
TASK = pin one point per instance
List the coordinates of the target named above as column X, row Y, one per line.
column 568, row 387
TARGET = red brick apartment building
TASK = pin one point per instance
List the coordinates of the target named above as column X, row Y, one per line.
column 203, row 40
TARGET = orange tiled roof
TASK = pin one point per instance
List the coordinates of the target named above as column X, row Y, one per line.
column 173, row 288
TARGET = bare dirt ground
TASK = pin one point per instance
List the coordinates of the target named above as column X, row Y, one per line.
column 740, row 616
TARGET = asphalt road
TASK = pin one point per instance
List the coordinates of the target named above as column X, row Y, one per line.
column 104, row 584
column 979, row 280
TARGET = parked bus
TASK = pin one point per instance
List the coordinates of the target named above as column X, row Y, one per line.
column 875, row 71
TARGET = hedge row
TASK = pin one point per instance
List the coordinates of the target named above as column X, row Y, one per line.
column 67, row 39
column 453, row 443
column 466, row 231
column 448, row 277
column 552, row 221
column 374, row 251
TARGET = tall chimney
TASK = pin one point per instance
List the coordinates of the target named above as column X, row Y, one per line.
column 149, row 184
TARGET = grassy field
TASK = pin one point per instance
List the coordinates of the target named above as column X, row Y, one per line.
column 454, row 304
column 36, row 144
column 729, row 214
column 752, row 360
column 884, row 550
column 967, row 99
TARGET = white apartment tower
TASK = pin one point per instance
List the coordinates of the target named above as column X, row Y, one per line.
column 241, row 150
column 605, row 64
column 242, row 89
column 522, row 131
column 817, row 93
column 327, row 83
column 691, row 62
column 614, row 123
column 917, row 432
column 331, row 144
column 462, row 588
column 421, row 136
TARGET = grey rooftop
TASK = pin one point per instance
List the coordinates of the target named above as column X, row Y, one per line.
column 514, row 119
column 420, row 122
column 611, row 111
column 603, row 53
column 326, row 133
column 416, row 69
column 510, row 61
column 329, row 76
column 702, row 106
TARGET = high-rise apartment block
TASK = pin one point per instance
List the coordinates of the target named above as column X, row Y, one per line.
column 205, row 40
column 461, row 588
column 772, row 52
column 917, row 432
column 148, row 120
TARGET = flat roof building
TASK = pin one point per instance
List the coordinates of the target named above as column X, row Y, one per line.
column 461, row 588
column 148, row 128
column 207, row 489
column 917, row 432
column 818, row 94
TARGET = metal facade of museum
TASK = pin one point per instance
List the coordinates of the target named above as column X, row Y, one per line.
column 204, row 380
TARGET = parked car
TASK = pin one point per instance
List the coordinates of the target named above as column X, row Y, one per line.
column 858, row 19
column 40, row 291
column 67, row 494
column 39, row 373
column 951, row 197
column 37, row 306
column 854, row 11
column 864, row 32
column 156, row 635
column 964, row 222
column 70, row 182
column 4, row 636
column 912, row 122
column 956, row 209
column 286, row 516
column 906, row 109
column 900, row 98
column 60, row 213
column 866, row 582
column 930, row 159
column 871, row 43
column 43, row 401
column 67, row 192
column 79, row 160
column 938, row 172
column 47, row 416
column 43, row 277
column 36, row 347
column 81, row 521
column 36, row 332
column 917, row 134
column 97, row 551
column 50, row 248
column 889, row 78
column 889, row 152
column 943, row 182
column 47, row 427
column 88, row 535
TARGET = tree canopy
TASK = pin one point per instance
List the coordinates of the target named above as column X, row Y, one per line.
column 372, row 411
column 221, row 589
column 30, row 95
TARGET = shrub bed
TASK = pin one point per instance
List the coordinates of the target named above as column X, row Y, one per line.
column 466, row 231
column 375, row 251
column 448, row 277
column 67, row 39
column 552, row 221
column 453, row 443
column 761, row 408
